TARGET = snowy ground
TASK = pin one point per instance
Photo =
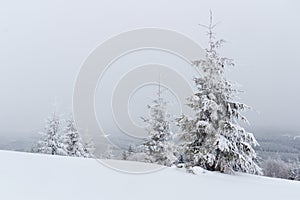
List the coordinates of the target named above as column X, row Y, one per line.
column 40, row 177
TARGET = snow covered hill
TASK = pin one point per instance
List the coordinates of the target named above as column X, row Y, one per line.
column 25, row 176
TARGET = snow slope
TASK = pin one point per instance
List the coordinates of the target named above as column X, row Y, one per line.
column 25, row 176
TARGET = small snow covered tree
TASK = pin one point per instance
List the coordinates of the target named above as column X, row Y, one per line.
column 73, row 143
column 213, row 138
column 130, row 150
column 126, row 155
column 110, row 152
column 158, row 147
column 52, row 143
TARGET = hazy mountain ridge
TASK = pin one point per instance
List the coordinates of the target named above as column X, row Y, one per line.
column 283, row 146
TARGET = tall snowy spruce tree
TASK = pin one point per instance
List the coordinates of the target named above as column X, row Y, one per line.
column 52, row 143
column 158, row 147
column 213, row 138
column 73, row 144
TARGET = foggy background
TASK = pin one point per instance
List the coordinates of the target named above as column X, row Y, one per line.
column 43, row 45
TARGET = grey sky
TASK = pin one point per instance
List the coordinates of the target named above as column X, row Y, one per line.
column 43, row 44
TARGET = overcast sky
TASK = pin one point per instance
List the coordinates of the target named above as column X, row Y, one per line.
column 44, row 43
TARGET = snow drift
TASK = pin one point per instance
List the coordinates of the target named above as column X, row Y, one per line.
column 27, row 176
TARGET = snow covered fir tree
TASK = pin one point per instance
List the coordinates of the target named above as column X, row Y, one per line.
column 74, row 145
column 158, row 147
column 52, row 142
column 213, row 138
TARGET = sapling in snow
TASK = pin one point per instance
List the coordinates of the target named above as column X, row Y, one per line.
column 73, row 143
column 158, row 147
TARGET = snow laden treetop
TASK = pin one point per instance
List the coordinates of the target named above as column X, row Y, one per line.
column 213, row 138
